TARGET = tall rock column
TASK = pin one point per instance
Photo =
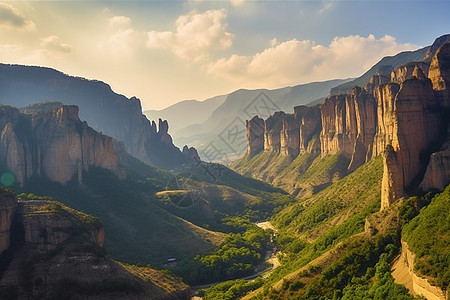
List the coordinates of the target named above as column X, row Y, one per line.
column 255, row 135
column 272, row 131
column 416, row 124
column 310, row 125
column 290, row 136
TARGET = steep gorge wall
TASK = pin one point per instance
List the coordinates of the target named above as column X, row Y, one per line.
column 113, row 114
column 287, row 134
column 400, row 116
column 54, row 144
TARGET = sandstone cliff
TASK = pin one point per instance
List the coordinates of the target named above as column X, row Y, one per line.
column 437, row 175
column 255, row 135
column 272, row 132
column 54, row 144
column 113, row 114
column 56, row 252
column 439, row 74
column 286, row 134
column 400, row 116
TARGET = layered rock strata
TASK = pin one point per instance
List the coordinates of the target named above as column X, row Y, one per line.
column 106, row 111
column 400, row 116
column 57, row 252
column 55, row 144
column 287, row 134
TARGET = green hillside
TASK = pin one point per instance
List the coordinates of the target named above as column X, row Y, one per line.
column 428, row 236
column 144, row 225
column 305, row 175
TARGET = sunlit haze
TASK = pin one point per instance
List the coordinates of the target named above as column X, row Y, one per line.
column 166, row 51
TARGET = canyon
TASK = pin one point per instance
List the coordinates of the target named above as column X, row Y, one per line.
column 48, row 238
column 403, row 117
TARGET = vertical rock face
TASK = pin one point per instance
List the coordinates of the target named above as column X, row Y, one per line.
column 290, row 136
column 400, row 119
column 310, row 125
column 349, row 126
column 255, row 135
column 437, row 175
column 53, row 143
column 55, row 245
column 272, row 131
column 113, row 114
column 408, row 71
column 439, row 74
column 8, row 206
column 287, row 134
column 400, row 116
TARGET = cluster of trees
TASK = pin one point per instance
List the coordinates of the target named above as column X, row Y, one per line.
column 236, row 257
column 428, row 234
column 362, row 273
column 230, row 290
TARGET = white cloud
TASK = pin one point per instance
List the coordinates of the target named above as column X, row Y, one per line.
column 273, row 42
column 53, row 43
column 12, row 18
column 325, row 6
column 119, row 21
column 196, row 35
column 294, row 61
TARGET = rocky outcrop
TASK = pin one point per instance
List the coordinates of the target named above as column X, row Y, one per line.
column 191, row 153
column 113, row 114
column 290, row 136
column 437, row 175
column 56, row 252
column 403, row 273
column 349, row 126
column 409, row 71
column 416, row 126
column 54, row 144
column 400, row 116
column 272, row 132
column 255, row 135
column 310, row 126
column 287, row 134
column 8, row 206
column 439, row 74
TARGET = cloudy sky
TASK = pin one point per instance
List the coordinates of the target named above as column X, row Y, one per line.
column 167, row 51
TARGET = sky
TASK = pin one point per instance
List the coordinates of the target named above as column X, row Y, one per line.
column 164, row 52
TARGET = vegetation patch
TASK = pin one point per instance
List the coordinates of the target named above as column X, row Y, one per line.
column 428, row 236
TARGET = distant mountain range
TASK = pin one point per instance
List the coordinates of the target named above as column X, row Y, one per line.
column 216, row 127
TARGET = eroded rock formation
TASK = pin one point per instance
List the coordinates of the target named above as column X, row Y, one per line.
column 106, row 111
column 287, row 134
column 8, row 206
column 439, row 74
column 400, row 117
column 58, row 251
column 54, row 144
column 437, row 175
